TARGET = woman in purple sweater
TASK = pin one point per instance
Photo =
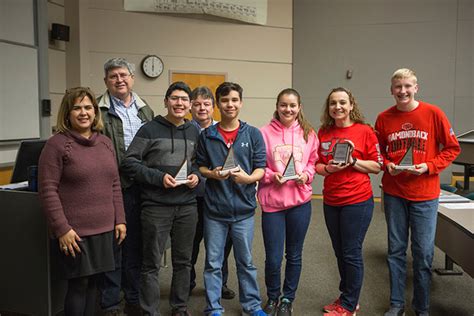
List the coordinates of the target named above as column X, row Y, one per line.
column 80, row 194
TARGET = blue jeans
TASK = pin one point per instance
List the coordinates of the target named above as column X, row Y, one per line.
column 418, row 219
column 284, row 230
column 215, row 236
column 128, row 276
column 158, row 224
column 347, row 226
column 197, row 241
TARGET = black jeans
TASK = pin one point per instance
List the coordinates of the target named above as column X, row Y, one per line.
column 197, row 241
column 158, row 224
column 126, row 277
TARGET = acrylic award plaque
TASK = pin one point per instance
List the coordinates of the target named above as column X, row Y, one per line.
column 290, row 170
column 341, row 153
column 182, row 175
column 407, row 160
column 229, row 163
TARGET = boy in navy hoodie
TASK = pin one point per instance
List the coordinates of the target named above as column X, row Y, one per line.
column 229, row 199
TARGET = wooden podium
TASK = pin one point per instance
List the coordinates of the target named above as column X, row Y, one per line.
column 27, row 285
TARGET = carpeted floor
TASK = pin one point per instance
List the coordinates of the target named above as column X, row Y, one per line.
column 450, row 295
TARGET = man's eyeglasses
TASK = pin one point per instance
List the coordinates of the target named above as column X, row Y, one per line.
column 116, row 77
column 176, row 98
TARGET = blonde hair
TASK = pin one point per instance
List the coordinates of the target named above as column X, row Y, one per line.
column 69, row 100
column 304, row 123
column 404, row 73
column 355, row 115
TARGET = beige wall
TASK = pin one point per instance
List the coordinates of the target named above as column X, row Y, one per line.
column 257, row 57
column 373, row 38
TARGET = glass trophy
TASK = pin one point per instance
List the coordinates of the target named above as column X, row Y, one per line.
column 341, row 153
column 290, row 170
column 407, row 160
column 229, row 163
column 182, row 175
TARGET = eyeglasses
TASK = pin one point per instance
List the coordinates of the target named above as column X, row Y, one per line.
column 122, row 76
column 176, row 98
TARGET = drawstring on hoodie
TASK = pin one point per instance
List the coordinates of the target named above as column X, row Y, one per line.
column 292, row 137
column 185, row 145
column 171, row 127
column 185, row 142
column 172, row 139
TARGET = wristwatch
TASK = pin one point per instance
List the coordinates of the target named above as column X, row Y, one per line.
column 354, row 160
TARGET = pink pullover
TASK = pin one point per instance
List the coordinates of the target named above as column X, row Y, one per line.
column 280, row 142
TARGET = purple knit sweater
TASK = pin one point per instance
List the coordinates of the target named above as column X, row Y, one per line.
column 79, row 185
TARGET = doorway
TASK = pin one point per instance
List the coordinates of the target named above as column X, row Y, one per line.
column 194, row 80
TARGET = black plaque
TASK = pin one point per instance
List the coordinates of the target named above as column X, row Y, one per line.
column 341, row 153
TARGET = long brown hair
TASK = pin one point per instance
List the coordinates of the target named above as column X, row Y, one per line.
column 355, row 115
column 304, row 123
column 63, row 125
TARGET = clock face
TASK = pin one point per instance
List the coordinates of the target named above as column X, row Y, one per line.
column 152, row 66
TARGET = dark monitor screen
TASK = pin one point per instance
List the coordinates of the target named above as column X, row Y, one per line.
column 28, row 155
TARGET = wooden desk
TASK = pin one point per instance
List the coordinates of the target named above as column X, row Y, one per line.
column 455, row 235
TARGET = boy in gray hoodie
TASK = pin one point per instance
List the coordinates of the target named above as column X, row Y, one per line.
column 153, row 159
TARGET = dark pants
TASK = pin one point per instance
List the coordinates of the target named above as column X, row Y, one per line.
column 80, row 296
column 158, row 224
column 347, row 226
column 128, row 276
column 197, row 241
column 284, row 231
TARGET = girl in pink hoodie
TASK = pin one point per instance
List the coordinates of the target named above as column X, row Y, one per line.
column 286, row 203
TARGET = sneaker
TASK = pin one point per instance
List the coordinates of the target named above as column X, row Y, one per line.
column 260, row 312
column 330, row 307
column 395, row 311
column 271, row 307
column 340, row 311
column 227, row 293
column 285, row 308
column 215, row 314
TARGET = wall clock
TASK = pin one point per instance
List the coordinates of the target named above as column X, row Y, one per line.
column 152, row 66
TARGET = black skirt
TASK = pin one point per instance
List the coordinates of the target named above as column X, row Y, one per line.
column 99, row 253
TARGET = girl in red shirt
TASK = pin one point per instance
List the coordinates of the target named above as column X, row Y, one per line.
column 347, row 193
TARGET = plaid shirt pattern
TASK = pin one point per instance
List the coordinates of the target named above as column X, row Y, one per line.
column 129, row 116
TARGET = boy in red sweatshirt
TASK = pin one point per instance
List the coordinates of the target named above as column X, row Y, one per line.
column 411, row 195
